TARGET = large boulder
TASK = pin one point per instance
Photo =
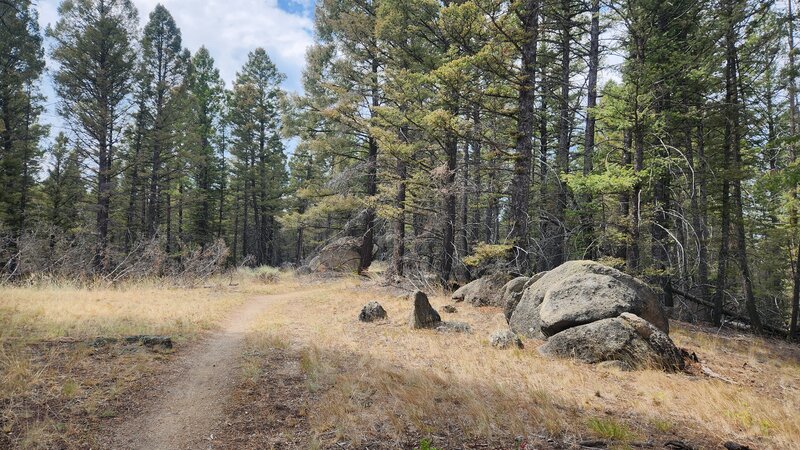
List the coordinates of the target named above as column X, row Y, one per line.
column 423, row 315
column 485, row 291
column 581, row 292
column 341, row 255
column 628, row 339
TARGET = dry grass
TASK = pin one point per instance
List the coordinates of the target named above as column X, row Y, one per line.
column 379, row 384
column 385, row 380
column 55, row 388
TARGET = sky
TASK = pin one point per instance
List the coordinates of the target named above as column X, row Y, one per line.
column 229, row 29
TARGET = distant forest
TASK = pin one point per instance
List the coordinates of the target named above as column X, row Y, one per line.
column 656, row 137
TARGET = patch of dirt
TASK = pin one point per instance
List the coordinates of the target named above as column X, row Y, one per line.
column 270, row 412
column 190, row 403
column 76, row 390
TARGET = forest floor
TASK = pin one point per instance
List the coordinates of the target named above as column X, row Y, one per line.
column 283, row 362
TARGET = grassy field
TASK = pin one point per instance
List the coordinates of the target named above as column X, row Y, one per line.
column 382, row 381
column 56, row 389
column 321, row 377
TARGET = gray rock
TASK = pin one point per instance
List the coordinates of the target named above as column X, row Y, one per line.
column 454, row 327
column 423, row 315
column 485, row 291
column 581, row 292
column 534, row 279
column 449, row 309
column 341, row 255
column 511, row 293
column 503, row 339
column 512, row 290
column 371, row 312
column 632, row 341
column 511, row 304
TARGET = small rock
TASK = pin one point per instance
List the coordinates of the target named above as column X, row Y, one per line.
column 449, row 309
column 423, row 315
column 454, row 327
column 372, row 311
column 503, row 339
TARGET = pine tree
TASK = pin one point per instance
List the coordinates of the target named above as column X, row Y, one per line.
column 92, row 45
column 164, row 67
column 260, row 166
column 22, row 60
column 207, row 91
column 63, row 188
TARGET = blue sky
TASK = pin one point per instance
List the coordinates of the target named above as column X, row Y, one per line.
column 229, row 29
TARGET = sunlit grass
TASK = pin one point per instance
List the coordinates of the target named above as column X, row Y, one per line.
column 51, row 381
column 384, row 376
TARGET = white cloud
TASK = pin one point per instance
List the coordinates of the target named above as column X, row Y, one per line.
column 232, row 28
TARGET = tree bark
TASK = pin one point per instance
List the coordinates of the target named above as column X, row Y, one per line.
column 562, row 155
column 793, row 128
column 591, row 102
column 372, row 178
column 399, row 245
column 448, row 238
column 520, row 185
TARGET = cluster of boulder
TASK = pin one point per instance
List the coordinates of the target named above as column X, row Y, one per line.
column 582, row 309
column 422, row 316
column 585, row 310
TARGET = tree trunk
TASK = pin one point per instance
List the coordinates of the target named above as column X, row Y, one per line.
column 588, row 146
column 463, row 232
column 103, row 200
column 543, row 261
column 398, row 244
column 562, row 156
column 793, row 128
column 624, row 201
column 633, row 256
column 520, row 185
column 448, row 238
column 741, row 242
column 372, row 179
column 698, row 207
column 477, row 164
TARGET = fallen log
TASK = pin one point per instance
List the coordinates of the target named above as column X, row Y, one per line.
column 146, row 340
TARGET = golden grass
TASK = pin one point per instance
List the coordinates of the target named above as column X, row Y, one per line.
column 379, row 379
column 384, row 378
column 54, row 387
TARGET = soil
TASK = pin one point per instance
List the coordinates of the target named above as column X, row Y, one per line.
column 191, row 402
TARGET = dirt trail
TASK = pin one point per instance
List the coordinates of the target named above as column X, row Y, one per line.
column 192, row 401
